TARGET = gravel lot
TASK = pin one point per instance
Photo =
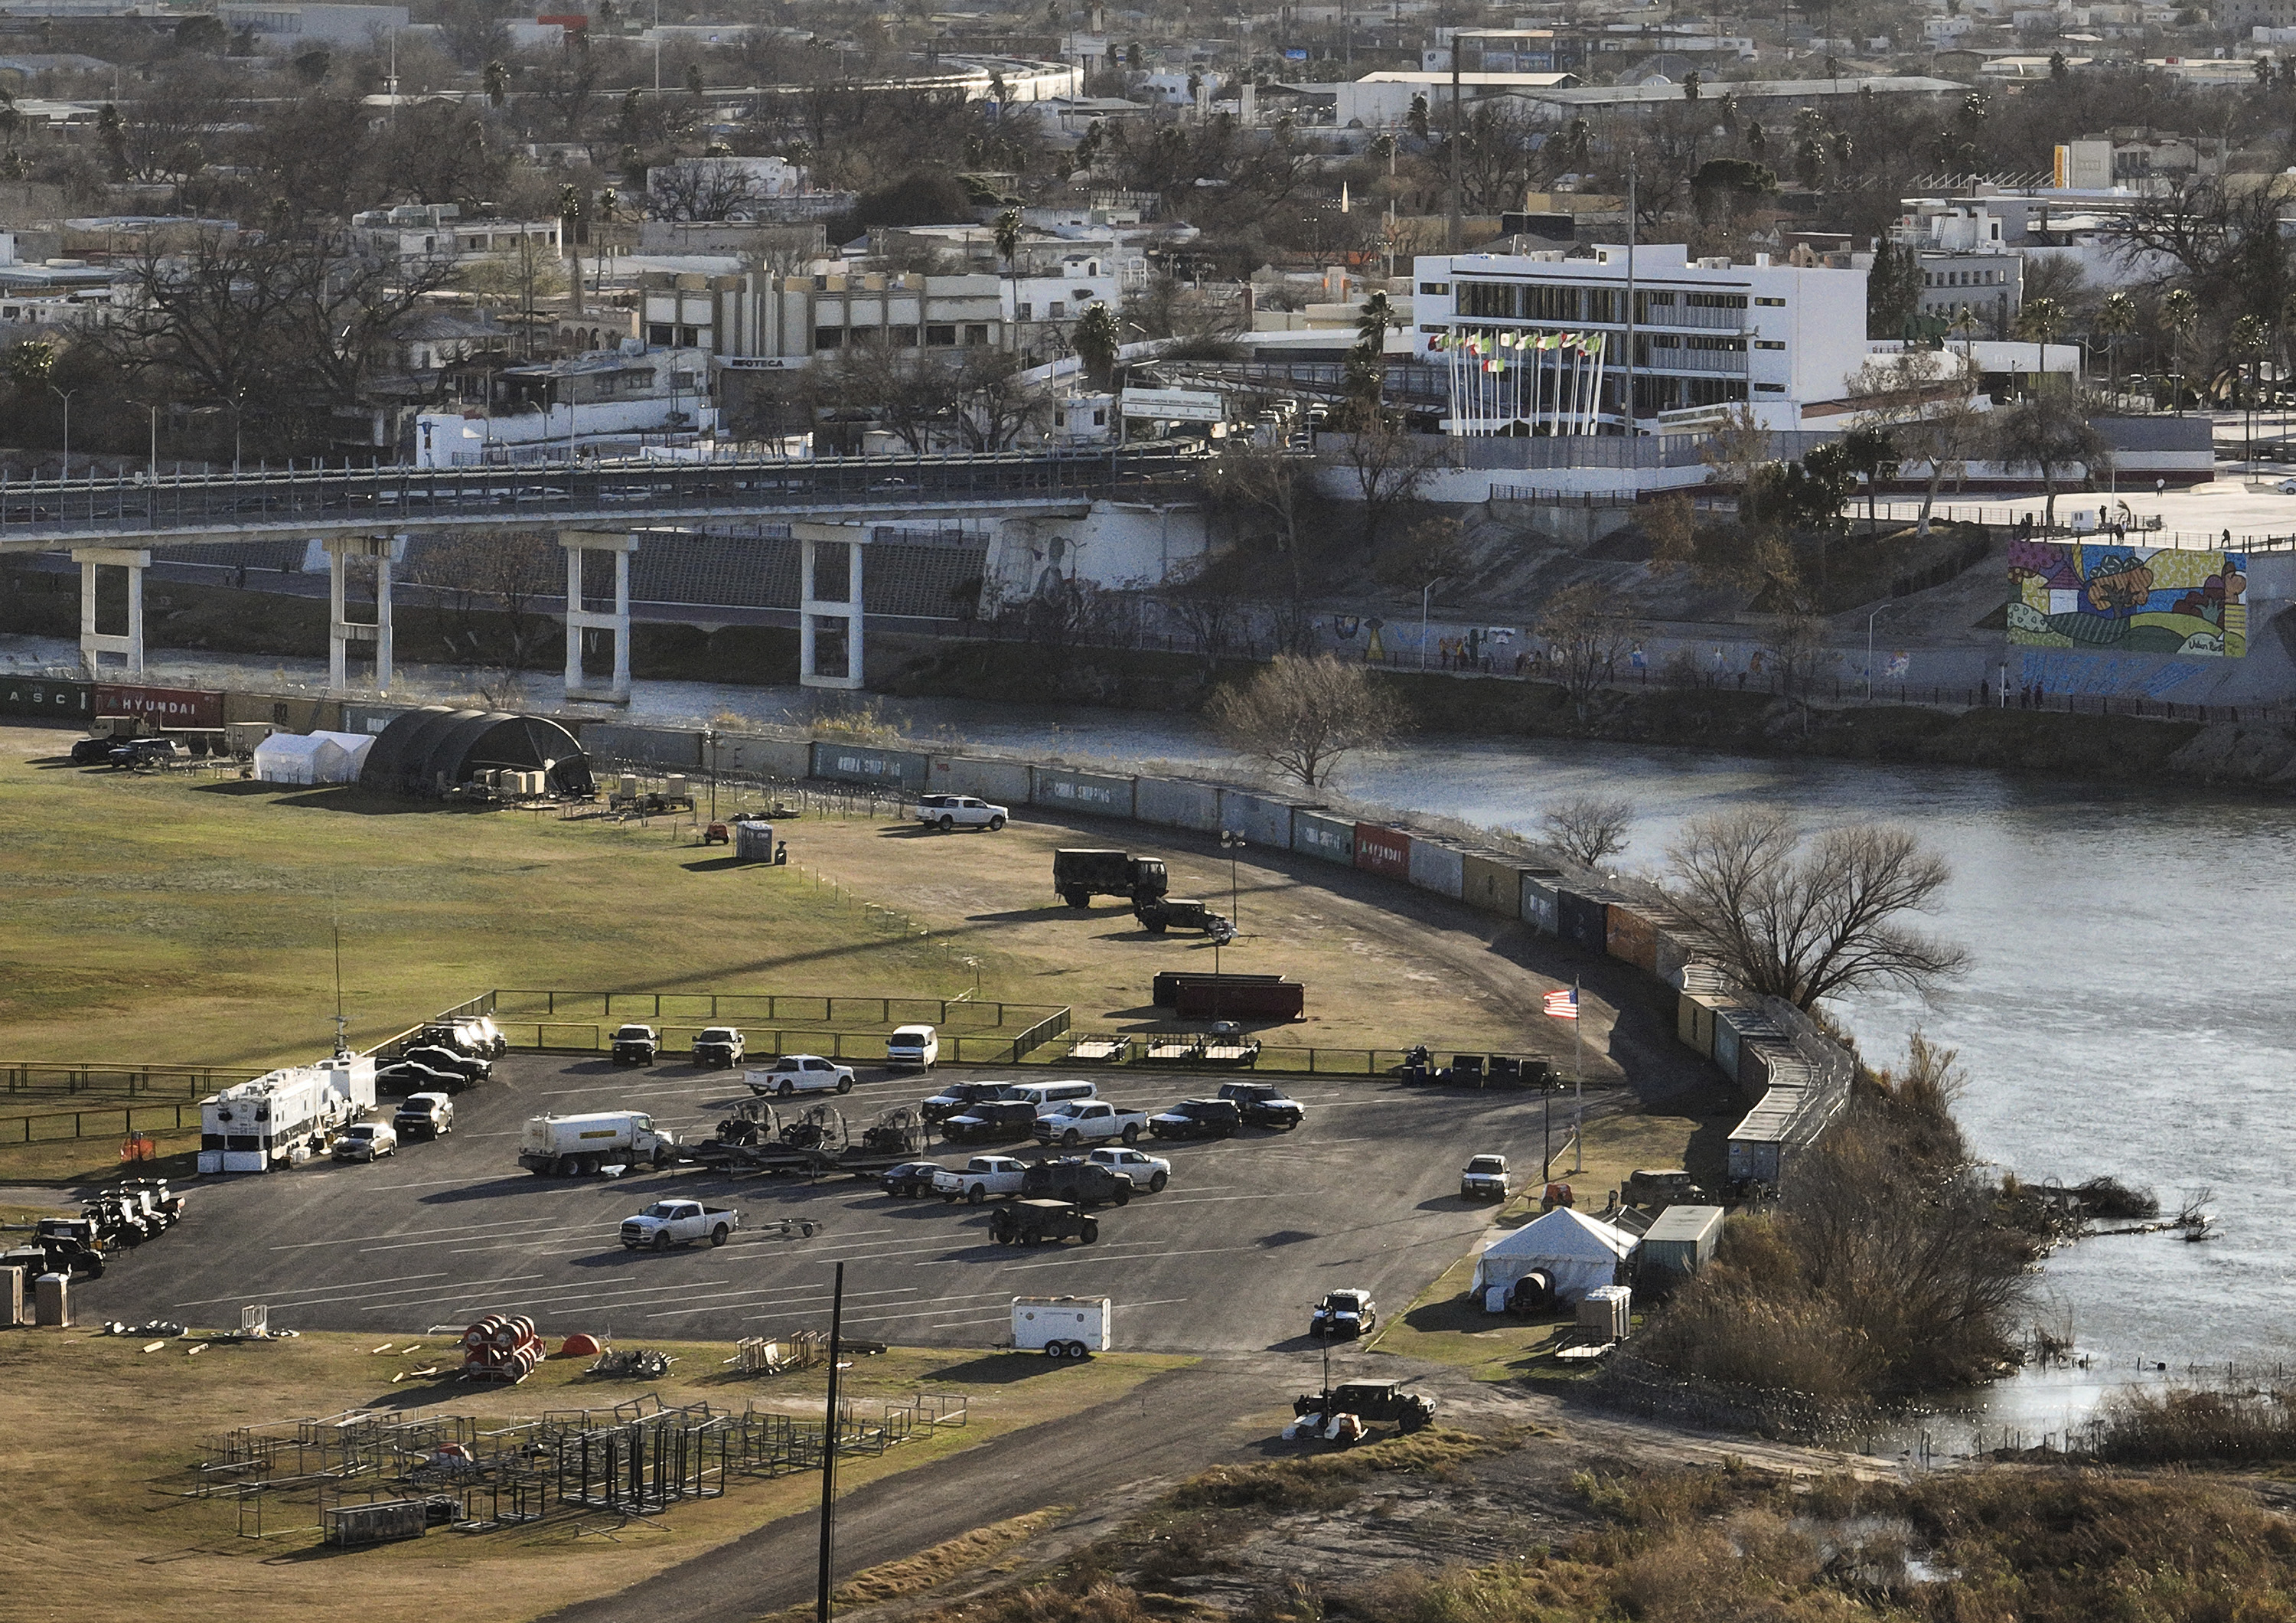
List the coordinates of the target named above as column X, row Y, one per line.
column 1230, row 1257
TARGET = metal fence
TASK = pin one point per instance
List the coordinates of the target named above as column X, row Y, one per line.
column 135, row 1081
column 121, row 1120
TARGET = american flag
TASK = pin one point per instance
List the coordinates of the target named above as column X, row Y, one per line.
column 1563, row 1005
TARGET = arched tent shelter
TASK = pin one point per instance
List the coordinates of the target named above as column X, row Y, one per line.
column 1575, row 1251
column 430, row 751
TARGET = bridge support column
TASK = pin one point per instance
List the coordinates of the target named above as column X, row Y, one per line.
column 95, row 644
column 840, row 618
column 580, row 619
column 341, row 630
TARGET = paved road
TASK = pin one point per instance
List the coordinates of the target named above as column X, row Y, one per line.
column 1230, row 1257
column 1169, row 1428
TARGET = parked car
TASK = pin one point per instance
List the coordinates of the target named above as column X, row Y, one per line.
column 365, row 1141
column 982, row 1177
column 718, row 1047
column 917, row 1045
column 413, row 1076
column 1026, row 1223
column 679, row 1223
column 955, row 1098
column 636, row 1045
column 1073, row 1121
column 1197, row 1118
column 1074, row 1179
column 1148, row 1171
column 440, row 1058
column 947, row 812
column 1263, row 1104
column 1043, row 1096
column 909, row 1179
column 1485, row 1179
column 423, row 1115
column 800, row 1074
column 1157, row 914
column 142, row 753
column 1344, row 1313
column 992, row 1121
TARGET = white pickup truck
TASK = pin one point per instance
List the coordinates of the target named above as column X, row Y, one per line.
column 1148, row 1171
column 1073, row 1121
column 679, row 1223
column 800, row 1074
column 947, row 813
column 983, row 1176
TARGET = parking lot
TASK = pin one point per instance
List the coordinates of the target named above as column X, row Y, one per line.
column 1231, row 1257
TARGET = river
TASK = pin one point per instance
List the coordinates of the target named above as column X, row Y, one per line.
column 2120, row 1017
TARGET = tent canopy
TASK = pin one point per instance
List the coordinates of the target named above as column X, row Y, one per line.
column 1576, row 1251
column 426, row 752
column 320, row 757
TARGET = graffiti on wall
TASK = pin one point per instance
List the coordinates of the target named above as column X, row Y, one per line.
column 2110, row 597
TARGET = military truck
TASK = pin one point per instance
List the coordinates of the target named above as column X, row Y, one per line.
column 1028, row 1222
column 1370, row 1401
column 1157, row 914
column 1074, row 1179
column 1080, row 875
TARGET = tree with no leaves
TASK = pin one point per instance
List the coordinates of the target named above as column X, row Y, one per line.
column 1588, row 829
column 1804, row 917
column 1304, row 714
column 1585, row 635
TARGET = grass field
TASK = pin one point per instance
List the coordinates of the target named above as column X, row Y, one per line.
column 100, row 1432
column 170, row 920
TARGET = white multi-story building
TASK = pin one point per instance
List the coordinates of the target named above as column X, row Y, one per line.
column 1966, row 262
column 1708, row 334
column 437, row 231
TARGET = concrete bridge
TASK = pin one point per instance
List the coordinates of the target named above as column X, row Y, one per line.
column 114, row 522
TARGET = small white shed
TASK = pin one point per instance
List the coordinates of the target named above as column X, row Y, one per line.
column 312, row 757
column 1577, row 1252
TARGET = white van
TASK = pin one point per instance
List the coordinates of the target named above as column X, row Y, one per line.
column 1044, row 1095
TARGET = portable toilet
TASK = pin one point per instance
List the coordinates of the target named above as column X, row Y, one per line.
column 753, row 842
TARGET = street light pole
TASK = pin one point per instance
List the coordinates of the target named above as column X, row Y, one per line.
column 1234, row 843
column 1870, row 619
column 1426, row 593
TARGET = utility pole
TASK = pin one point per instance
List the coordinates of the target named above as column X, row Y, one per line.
column 829, row 1449
column 1578, row 1086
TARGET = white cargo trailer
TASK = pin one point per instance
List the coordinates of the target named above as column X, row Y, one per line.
column 282, row 1116
column 1060, row 1326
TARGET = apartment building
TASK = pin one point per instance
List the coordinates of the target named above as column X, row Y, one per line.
column 437, row 231
column 754, row 321
column 1536, row 344
column 1966, row 262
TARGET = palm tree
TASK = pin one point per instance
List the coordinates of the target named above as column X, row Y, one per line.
column 2116, row 318
column 1007, row 231
column 2179, row 309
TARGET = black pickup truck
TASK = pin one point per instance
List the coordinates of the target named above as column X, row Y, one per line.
column 991, row 1122
column 1073, row 1178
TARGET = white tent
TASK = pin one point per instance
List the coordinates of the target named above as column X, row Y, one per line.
column 312, row 757
column 1577, row 1252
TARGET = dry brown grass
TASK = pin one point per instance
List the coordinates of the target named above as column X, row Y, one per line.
column 96, row 1430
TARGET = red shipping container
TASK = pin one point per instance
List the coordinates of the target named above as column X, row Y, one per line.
column 1381, row 850
column 160, row 706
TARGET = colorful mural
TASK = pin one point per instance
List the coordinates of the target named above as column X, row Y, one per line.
column 2109, row 597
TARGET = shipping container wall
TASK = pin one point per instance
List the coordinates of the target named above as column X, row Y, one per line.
column 1003, row 783
column 1756, row 1159
column 1708, row 1007
column 292, row 713
column 1685, row 1019
column 615, row 743
column 1583, row 920
column 1674, row 956
column 1630, row 937
column 160, row 706
column 1726, row 1044
column 1262, row 820
column 1315, row 833
column 1098, row 794
column 786, row 759
column 1539, row 910
column 884, row 768
column 1381, row 850
column 51, row 701
column 372, row 719
column 1440, row 869
column 1177, row 803
column 1493, row 882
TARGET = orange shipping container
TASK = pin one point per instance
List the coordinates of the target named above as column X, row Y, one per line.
column 1633, row 938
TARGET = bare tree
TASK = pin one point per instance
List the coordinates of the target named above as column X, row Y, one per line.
column 1269, row 484
column 1588, row 829
column 1388, row 467
column 1585, row 634
column 1304, row 715
column 1434, row 553
column 1208, row 612
column 1926, row 402
column 1806, row 918
column 487, row 583
column 2050, row 429
column 701, row 189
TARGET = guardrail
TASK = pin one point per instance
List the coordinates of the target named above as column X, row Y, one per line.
column 122, row 1120
column 732, row 1008
column 133, row 1080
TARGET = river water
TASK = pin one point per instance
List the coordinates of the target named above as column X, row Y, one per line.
column 2125, row 1014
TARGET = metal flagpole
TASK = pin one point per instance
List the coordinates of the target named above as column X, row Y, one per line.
column 1577, row 1098
column 1627, row 413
